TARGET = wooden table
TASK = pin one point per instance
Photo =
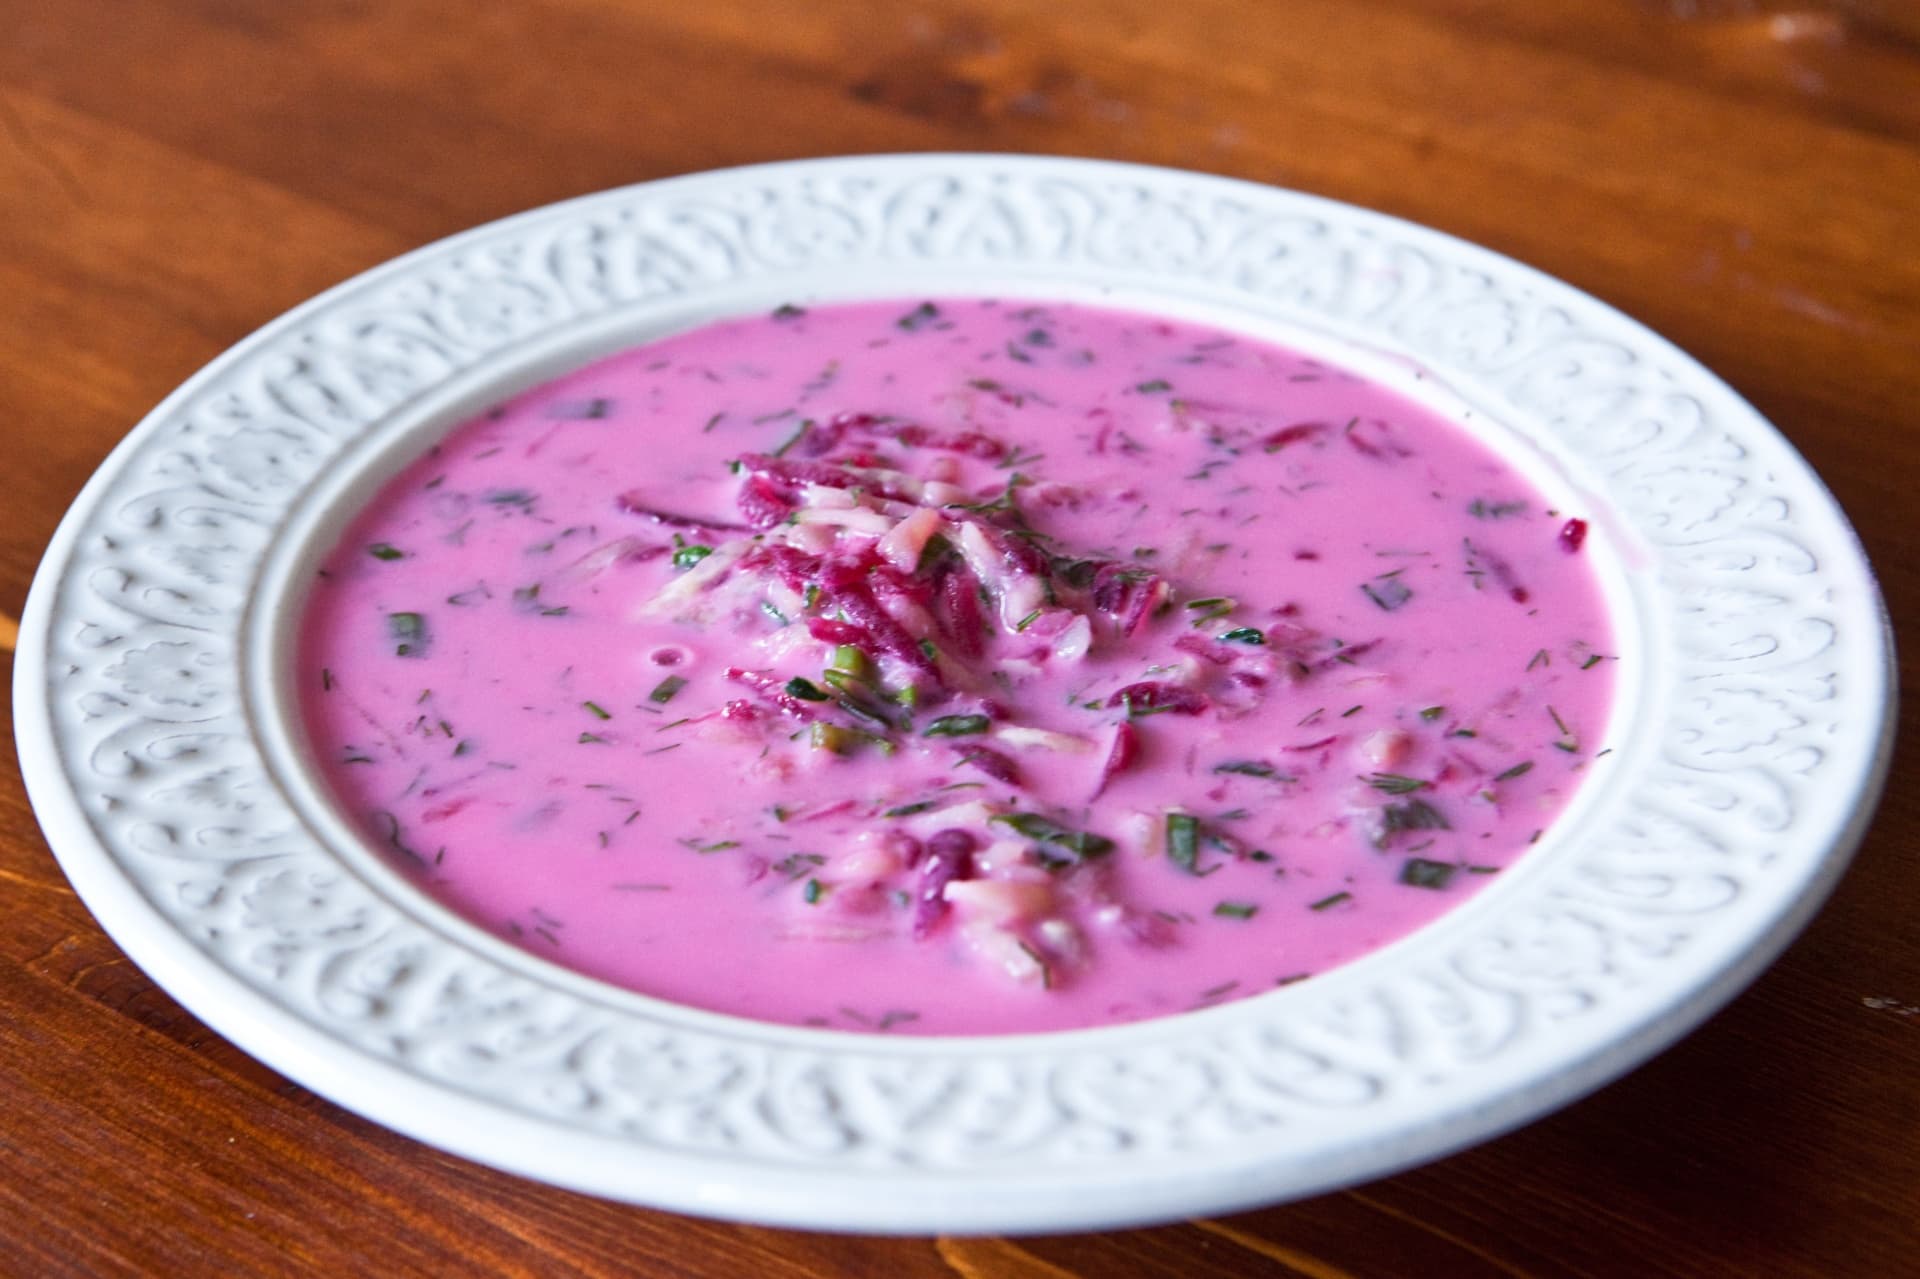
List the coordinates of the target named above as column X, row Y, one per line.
column 1744, row 177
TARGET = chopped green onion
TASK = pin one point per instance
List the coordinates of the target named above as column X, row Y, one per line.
column 667, row 689
column 1236, row 910
column 830, row 737
column 958, row 725
column 382, row 551
column 409, row 632
column 1415, row 814
column 1421, row 873
column 807, row 690
column 1518, row 770
column 597, row 711
column 1211, row 609
column 1183, row 841
column 1245, row 635
column 1081, row 844
column 1327, row 903
column 1395, row 784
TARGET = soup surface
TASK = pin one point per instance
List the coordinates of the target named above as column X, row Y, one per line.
column 956, row 667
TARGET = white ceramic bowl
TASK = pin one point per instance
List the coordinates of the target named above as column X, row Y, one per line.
column 157, row 738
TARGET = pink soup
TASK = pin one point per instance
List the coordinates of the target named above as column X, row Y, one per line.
column 956, row 667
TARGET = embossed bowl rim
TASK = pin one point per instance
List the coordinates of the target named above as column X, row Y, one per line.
column 1752, row 740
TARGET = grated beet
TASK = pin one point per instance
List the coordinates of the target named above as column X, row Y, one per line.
column 960, row 614
column 949, row 856
column 1158, row 695
column 832, row 631
column 1295, row 434
column 762, row 502
column 992, row 763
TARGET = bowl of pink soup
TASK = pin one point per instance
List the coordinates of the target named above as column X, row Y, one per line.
column 953, row 693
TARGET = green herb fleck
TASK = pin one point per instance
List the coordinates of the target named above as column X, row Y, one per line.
column 667, row 689
column 686, row 554
column 597, row 711
column 1518, row 770
column 384, row 551
column 1183, row 841
column 807, row 690
column 1249, row 768
column 918, row 318
column 1236, row 910
column 1328, row 903
column 1395, row 784
column 1245, row 635
column 794, row 865
column 1211, row 609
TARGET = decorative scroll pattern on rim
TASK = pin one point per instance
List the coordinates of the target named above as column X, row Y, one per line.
column 146, row 648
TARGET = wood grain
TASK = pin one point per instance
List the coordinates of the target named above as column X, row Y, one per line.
column 1743, row 176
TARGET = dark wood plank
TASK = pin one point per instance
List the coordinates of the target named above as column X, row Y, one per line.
column 1742, row 175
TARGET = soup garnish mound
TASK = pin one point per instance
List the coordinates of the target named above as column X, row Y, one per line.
column 956, row 667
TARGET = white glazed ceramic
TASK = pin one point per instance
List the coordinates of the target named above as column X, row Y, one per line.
column 153, row 721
